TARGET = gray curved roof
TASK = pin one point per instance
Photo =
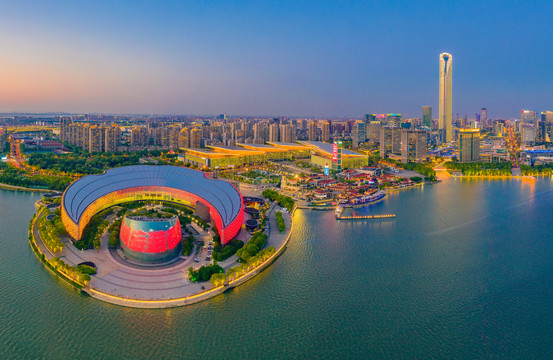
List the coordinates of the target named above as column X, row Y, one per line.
column 83, row 192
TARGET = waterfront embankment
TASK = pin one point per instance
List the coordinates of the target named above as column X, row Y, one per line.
column 157, row 288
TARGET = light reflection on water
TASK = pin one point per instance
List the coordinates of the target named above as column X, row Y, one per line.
column 464, row 271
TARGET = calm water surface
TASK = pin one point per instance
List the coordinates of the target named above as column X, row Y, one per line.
column 464, row 271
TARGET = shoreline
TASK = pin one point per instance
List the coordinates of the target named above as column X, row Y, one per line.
column 496, row 177
column 161, row 303
column 15, row 188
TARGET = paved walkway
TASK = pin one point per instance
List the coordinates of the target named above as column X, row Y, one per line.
column 127, row 281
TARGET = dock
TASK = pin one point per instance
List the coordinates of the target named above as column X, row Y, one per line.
column 383, row 216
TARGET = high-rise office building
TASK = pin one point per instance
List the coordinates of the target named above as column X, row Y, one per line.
column 528, row 134
column 413, row 145
column 390, row 141
column 427, row 116
column 372, row 131
column 358, row 133
column 445, row 121
column 547, row 116
column 469, row 145
column 484, row 116
column 528, row 118
column 393, row 120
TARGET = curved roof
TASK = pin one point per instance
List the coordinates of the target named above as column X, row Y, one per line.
column 223, row 196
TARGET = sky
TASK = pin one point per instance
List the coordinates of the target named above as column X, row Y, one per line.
column 274, row 58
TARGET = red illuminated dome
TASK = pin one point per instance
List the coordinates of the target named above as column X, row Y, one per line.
column 151, row 239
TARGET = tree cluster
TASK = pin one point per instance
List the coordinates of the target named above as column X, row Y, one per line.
column 188, row 245
column 481, row 168
column 204, row 273
column 50, row 231
column 284, row 201
column 423, row 169
column 527, row 170
column 280, row 222
column 72, row 272
column 114, row 232
column 221, row 253
column 252, row 247
column 16, row 177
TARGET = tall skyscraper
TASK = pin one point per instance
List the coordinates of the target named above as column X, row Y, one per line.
column 445, row 120
column 528, row 127
column 484, row 116
column 390, row 141
column 427, row 116
column 358, row 134
column 393, row 120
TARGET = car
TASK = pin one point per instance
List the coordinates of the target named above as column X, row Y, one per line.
column 197, row 260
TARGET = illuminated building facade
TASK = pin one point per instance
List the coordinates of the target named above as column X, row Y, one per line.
column 413, row 145
column 151, row 239
column 94, row 193
column 427, row 116
column 469, row 145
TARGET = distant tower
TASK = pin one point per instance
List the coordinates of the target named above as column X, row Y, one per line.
column 484, row 116
column 445, row 120
column 427, row 116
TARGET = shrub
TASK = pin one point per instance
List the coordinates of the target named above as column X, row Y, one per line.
column 280, row 222
column 86, row 269
column 188, row 245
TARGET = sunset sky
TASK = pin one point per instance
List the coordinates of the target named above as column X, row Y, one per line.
column 313, row 58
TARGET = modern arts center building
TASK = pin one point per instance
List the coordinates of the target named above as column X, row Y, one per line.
column 216, row 201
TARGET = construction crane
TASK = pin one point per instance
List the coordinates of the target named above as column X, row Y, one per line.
column 513, row 145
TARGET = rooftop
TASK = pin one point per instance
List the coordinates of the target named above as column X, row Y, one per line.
column 83, row 192
column 327, row 148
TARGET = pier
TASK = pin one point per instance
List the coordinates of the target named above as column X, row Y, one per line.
column 383, row 216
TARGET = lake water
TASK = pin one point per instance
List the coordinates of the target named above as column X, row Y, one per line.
column 464, row 271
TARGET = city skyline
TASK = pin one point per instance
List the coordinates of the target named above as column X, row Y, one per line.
column 322, row 60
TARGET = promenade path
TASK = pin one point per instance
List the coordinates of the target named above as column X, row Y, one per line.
column 115, row 277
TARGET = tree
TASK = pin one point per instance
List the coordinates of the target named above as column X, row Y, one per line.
column 218, row 279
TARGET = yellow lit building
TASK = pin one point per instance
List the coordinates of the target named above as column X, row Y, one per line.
column 243, row 154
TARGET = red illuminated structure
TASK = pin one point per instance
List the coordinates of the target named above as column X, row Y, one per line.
column 151, row 239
